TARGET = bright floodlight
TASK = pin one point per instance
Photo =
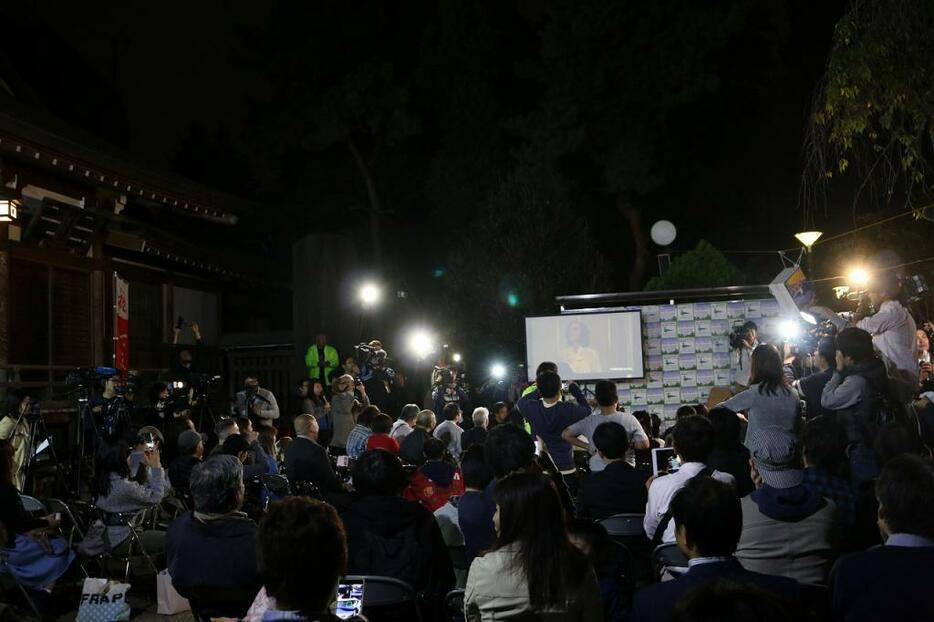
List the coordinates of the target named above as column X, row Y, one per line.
column 456, row 357
column 498, row 371
column 789, row 330
column 858, row 277
column 808, row 238
column 421, row 344
column 370, row 293
column 807, row 317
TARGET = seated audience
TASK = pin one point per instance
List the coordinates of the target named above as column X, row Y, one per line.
column 607, row 402
column 390, row 536
column 33, row 554
column 435, row 481
column 509, row 450
column 224, row 428
column 618, row 488
column 533, row 568
column 237, row 445
column 708, row 520
column 267, row 440
column 307, row 461
column 549, row 416
column 405, row 423
column 725, row 601
column 825, row 466
column 449, row 431
column 380, row 438
column 787, row 528
column 211, row 550
column 412, row 450
column 190, row 453
column 356, row 440
column 593, row 541
column 472, row 504
column 891, row 582
column 769, row 401
column 810, row 388
column 729, row 455
column 855, row 391
column 477, row 434
column 118, row 494
column 693, row 442
column 292, row 532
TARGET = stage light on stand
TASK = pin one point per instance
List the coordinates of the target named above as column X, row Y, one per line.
column 421, row 343
column 858, row 277
column 498, row 371
column 369, row 294
column 789, row 330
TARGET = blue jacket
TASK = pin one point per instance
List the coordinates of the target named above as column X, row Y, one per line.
column 656, row 602
column 549, row 423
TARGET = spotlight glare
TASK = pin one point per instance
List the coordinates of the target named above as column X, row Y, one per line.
column 456, row 357
column 421, row 344
column 498, row 371
column 789, row 330
column 369, row 294
column 858, row 276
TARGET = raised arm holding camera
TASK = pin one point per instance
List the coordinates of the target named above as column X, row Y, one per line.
column 256, row 403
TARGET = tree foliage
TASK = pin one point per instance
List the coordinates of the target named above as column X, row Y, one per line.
column 705, row 266
column 874, row 110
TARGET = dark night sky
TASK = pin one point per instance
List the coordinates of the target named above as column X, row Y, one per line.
column 171, row 66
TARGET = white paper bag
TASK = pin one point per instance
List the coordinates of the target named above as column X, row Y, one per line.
column 170, row 602
column 103, row 600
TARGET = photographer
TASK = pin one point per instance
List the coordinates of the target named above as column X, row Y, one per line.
column 256, row 403
column 185, row 365
column 113, row 412
column 14, row 428
column 376, row 376
column 346, row 395
column 743, row 342
column 447, row 391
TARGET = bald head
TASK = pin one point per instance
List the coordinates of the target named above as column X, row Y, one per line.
column 306, row 425
column 426, row 419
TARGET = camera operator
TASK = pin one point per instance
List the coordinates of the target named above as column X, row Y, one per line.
column 186, row 361
column 256, row 403
column 14, row 427
column 321, row 359
column 376, row 376
column 113, row 412
column 892, row 328
column 448, row 391
column 743, row 342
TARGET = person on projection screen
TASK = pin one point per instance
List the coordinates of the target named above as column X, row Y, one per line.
column 577, row 354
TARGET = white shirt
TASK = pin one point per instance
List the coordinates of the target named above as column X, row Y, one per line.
column 664, row 488
column 893, row 333
column 400, row 429
column 454, row 445
column 742, row 363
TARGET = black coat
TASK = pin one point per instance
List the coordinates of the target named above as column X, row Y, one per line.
column 812, row 387
column 617, row 489
column 307, row 461
column 412, row 449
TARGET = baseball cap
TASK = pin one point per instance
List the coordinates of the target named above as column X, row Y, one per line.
column 235, row 444
column 774, row 451
column 188, row 440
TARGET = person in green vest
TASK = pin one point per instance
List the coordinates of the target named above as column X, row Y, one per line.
column 321, row 359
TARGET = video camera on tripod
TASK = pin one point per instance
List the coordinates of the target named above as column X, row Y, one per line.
column 373, row 358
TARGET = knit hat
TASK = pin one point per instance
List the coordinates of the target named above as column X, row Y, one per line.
column 774, row 451
column 188, row 440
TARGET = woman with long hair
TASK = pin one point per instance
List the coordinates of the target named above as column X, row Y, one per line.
column 533, row 569
column 769, row 400
column 33, row 554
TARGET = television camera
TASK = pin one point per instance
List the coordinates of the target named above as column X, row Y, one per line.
column 373, row 360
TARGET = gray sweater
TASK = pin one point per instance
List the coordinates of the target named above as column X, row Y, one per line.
column 342, row 405
column 780, row 409
column 128, row 496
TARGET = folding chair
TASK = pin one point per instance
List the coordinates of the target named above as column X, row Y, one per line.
column 7, row 580
column 386, row 592
column 667, row 558
column 33, row 506
column 627, row 530
column 454, row 603
column 620, row 525
column 133, row 521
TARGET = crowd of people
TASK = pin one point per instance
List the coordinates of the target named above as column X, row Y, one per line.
column 801, row 496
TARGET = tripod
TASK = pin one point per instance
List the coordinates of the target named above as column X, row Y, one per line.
column 33, row 424
column 85, row 426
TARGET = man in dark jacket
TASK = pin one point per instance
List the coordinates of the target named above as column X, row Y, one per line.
column 811, row 387
column 211, row 552
column 307, row 461
column 412, row 450
column 389, row 536
column 708, row 521
column 191, row 450
column 892, row 581
column 618, row 488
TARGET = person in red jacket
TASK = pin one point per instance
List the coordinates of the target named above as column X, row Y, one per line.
column 437, row 480
column 380, row 438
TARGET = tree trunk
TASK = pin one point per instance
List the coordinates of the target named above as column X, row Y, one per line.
column 633, row 218
column 373, row 196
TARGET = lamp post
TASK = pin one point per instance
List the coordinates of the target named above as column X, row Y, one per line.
column 808, row 239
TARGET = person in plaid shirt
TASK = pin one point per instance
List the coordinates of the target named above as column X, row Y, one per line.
column 825, row 465
column 356, row 440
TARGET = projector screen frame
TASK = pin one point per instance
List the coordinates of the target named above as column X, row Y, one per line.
column 589, row 312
